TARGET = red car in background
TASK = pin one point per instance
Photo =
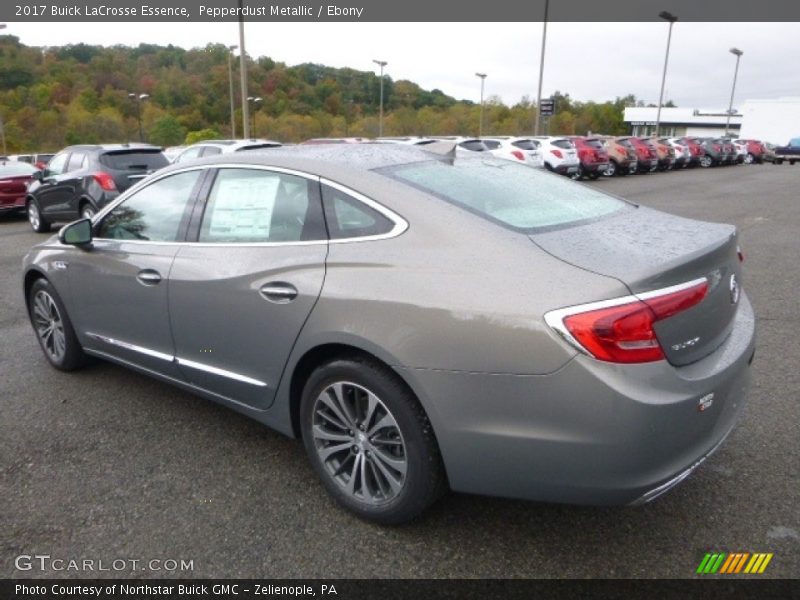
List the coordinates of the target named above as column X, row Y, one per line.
column 593, row 156
column 696, row 149
column 755, row 151
column 14, row 179
column 647, row 157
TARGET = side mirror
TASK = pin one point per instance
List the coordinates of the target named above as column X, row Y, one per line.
column 77, row 233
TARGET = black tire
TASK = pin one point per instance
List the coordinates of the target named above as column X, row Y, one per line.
column 72, row 357
column 594, row 175
column 612, row 170
column 577, row 175
column 791, row 162
column 87, row 210
column 38, row 223
column 424, row 480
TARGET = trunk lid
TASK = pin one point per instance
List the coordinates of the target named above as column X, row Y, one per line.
column 648, row 250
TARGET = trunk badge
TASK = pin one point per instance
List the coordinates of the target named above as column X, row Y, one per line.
column 705, row 402
column 735, row 290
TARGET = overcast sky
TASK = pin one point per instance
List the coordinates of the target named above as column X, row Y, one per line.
column 591, row 61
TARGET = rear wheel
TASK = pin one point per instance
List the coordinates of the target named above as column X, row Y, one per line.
column 35, row 218
column 706, row 161
column 577, row 175
column 87, row 211
column 594, row 175
column 369, row 441
column 53, row 328
column 612, row 169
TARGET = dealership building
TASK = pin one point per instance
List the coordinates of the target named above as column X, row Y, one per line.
column 773, row 120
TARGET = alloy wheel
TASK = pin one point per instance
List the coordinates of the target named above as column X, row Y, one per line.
column 359, row 443
column 49, row 325
column 33, row 215
column 611, row 170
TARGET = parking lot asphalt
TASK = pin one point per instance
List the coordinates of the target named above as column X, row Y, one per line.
column 106, row 464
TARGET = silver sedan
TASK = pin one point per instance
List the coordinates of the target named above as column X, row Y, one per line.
column 422, row 321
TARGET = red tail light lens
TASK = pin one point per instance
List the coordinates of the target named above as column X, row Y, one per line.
column 621, row 331
column 105, row 181
column 518, row 154
column 740, row 253
column 557, row 153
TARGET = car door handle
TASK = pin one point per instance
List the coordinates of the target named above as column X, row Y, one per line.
column 149, row 277
column 279, row 292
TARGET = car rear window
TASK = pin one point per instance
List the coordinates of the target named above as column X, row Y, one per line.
column 507, row 193
column 16, row 169
column 474, row 145
column 137, row 160
column 566, row 144
column 594, row 143
column 524, row 145
column 257, row 146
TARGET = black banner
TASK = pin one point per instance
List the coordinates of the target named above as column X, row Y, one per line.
column 406, row 11
column 390, row 589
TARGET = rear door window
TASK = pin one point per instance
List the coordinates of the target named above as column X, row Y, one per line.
column 256, row 206
column 525, row 144
column 474, row 145
column 492, row 144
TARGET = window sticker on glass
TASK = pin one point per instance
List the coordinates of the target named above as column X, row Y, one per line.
column 241, row 204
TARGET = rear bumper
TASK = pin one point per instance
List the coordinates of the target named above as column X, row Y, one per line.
column 592, row 432
column 566, row 168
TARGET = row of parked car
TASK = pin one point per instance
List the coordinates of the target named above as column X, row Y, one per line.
column 595, row 156
column 79, row 180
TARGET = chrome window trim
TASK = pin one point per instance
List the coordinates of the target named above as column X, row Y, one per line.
column 175, row 359
column 555, row 318
column 400, row 224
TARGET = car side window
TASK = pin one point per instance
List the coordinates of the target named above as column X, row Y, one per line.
column 76, row 162
column 348, row 217
column 189, row 154
column 256, row 206
column 154, row 213
column 211, row 151
column 57, row 164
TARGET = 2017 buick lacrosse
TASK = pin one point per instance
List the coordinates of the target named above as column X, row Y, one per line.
column 421, row 321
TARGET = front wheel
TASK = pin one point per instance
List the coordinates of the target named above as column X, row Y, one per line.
column 611, row 170
column 53, row 328
column 706, row 161
column 370, row 441
column 577, row 175
column 35, row 218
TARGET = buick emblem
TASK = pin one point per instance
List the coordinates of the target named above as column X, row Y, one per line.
column 735, row 290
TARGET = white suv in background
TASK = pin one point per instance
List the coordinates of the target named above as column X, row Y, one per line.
column 212, row 147
column 522, row 149
column 559, row 154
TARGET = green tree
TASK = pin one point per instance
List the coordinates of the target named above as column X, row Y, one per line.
column 167, row 131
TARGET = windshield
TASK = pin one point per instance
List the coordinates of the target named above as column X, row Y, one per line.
column 510, row 194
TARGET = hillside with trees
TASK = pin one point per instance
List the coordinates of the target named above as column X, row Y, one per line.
column 51, row 97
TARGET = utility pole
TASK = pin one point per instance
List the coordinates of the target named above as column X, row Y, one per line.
column 230, row 81
column 480, row 123
column 381, row 64
column 671, row 18
column 541, row 70
column 243, row 76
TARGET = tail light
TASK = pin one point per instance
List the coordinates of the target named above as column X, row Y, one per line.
column 518, row 155
column 716, row 147
column 105, row 181
column 740, row 253
column 621, row 330
column 557, row 153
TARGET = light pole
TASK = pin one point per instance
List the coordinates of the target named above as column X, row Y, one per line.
column 480, row 122
column 230, row 81
column 256, row 101
column 381, row 64
column 138, row 99
column 541, row 71
column 2, row 125
column 738, row 54
column 243, row 75
column 671, row 18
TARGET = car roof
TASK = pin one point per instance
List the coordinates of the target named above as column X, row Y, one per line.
column 111, row 147
column 326, row 160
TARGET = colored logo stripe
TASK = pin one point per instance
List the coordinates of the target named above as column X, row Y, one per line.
column 721, row 562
